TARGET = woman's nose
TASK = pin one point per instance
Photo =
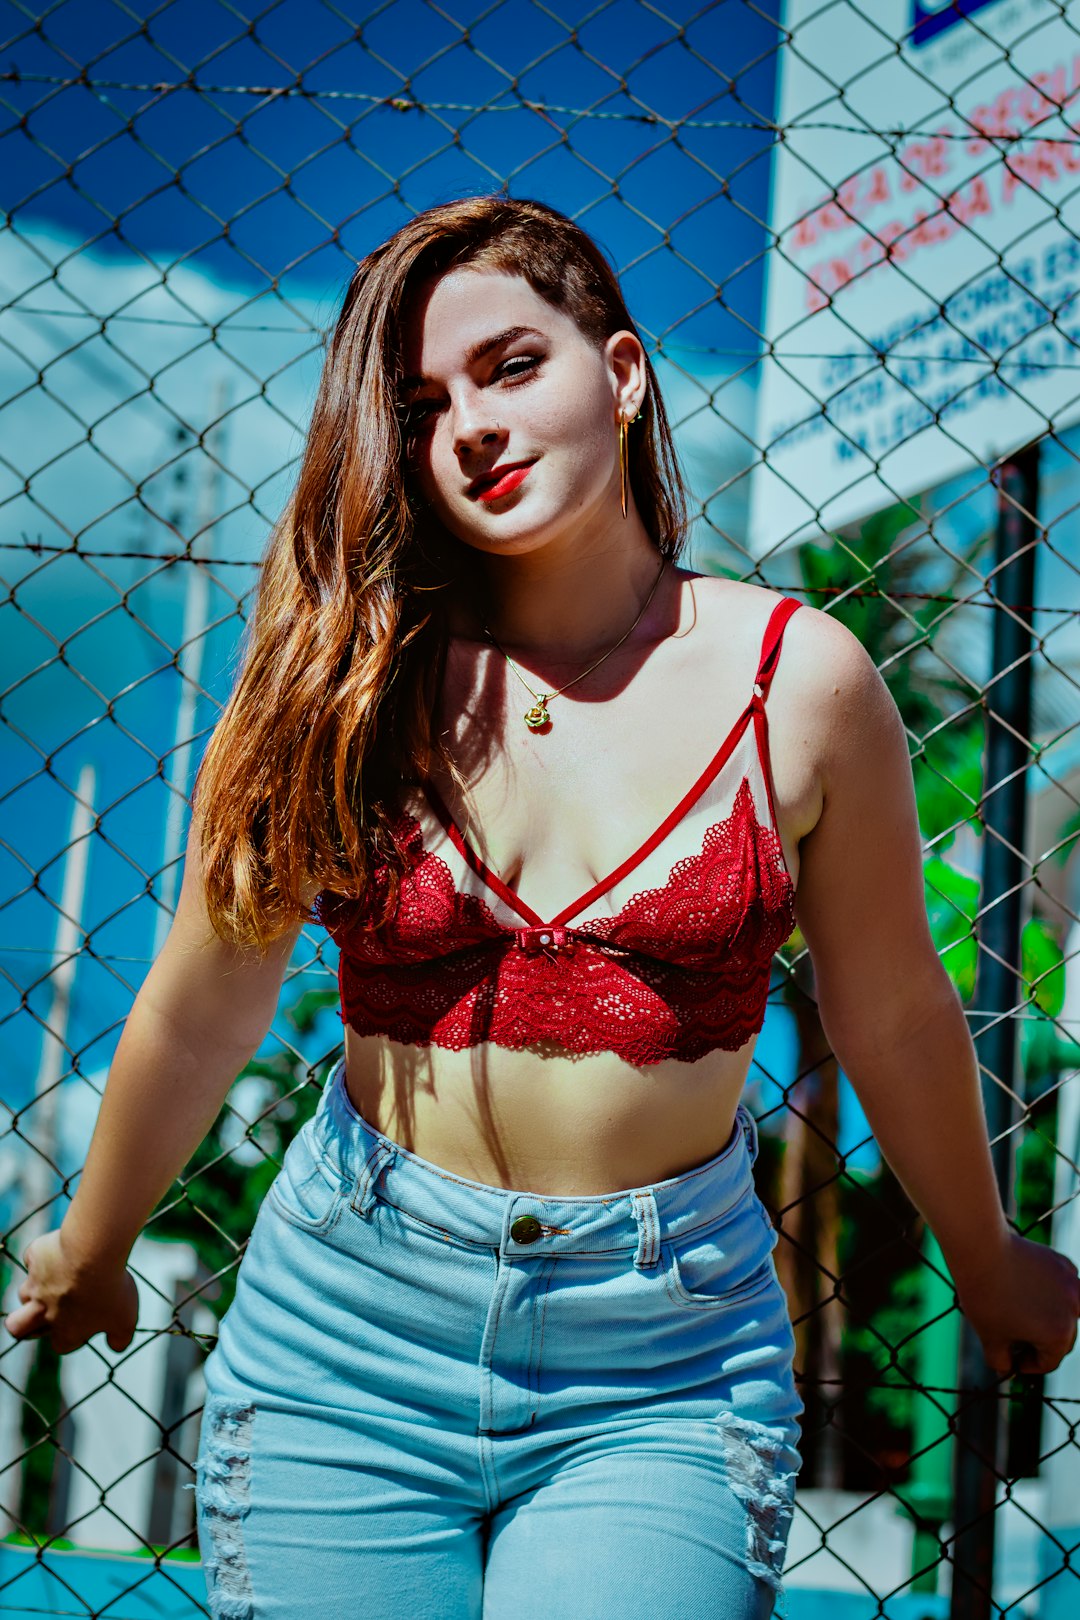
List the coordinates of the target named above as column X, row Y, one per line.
column 475, row 431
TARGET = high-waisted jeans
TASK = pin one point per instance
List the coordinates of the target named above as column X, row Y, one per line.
column 434, row 1399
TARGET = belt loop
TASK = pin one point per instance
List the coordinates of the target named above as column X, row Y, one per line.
column 750, row 1131
column 376, row 1162
column 648, row 1221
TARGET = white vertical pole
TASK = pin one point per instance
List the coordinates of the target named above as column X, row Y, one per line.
column 37, row 1178
column 189, row 663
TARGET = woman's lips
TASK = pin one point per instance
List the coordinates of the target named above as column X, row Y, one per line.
column 509, row 480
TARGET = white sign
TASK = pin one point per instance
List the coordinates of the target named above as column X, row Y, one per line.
column 922, row 310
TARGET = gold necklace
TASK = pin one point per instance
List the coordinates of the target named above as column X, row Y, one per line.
column 538, row 716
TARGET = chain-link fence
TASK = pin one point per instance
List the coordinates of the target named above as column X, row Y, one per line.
column 849, row 234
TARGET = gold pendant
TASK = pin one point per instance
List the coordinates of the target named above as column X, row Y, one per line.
column 538, row 716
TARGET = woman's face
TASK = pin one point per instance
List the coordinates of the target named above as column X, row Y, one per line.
column 511, row 413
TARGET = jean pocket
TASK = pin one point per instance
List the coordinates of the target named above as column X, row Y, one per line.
column 307, row 1191
column 725, row 1263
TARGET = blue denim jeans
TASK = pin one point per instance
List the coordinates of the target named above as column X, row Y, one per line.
column 434, row 1399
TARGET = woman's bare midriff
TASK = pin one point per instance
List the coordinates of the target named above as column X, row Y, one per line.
column 552, row 1124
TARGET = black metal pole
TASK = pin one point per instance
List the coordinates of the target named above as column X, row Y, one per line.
column 981, row 1410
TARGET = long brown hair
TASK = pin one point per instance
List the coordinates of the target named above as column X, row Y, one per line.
column 331, row 712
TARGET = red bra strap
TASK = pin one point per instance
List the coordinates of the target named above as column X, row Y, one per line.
column 770, row 645
column 472, row 859
column 770, row 657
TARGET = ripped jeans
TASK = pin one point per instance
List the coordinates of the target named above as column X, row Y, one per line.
column 434, row 1399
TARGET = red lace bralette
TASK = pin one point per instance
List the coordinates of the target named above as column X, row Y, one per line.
column 680, row 969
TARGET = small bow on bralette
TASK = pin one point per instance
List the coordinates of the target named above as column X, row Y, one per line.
column 548, row 940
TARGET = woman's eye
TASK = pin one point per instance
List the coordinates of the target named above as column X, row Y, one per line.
column 415, row 415
column 517, row 366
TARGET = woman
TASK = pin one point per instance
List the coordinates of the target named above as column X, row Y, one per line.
column 508, row 1337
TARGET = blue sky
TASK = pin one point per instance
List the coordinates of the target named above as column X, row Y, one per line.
column 293, row 179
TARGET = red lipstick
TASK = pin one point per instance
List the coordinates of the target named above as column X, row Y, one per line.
column 484, row 490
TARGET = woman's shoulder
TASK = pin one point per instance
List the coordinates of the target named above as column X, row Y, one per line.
column 829, row 709
column 822, row 667
column 738, row 609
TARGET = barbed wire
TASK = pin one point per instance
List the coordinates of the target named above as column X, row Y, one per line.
column 399, row 103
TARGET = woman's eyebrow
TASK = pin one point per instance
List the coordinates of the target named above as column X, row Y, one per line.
column 509, row 334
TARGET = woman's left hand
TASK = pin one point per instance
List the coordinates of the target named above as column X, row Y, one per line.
column 1023, row 1303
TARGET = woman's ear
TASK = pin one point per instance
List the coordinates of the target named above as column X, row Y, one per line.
column 626, row 362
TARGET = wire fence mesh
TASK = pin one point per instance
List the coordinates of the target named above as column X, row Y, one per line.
column 849, row 234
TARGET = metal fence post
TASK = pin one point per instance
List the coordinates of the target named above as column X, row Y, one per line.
column 998, row 990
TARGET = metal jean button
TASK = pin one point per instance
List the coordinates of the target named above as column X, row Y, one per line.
column 526, row 1229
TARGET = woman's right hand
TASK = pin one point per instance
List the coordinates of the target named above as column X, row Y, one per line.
column 68, row 1304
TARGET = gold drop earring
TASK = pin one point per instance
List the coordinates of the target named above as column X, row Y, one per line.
column 624, row 463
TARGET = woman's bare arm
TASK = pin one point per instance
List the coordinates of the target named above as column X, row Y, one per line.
column 203, row 1011
column 890, row 1011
